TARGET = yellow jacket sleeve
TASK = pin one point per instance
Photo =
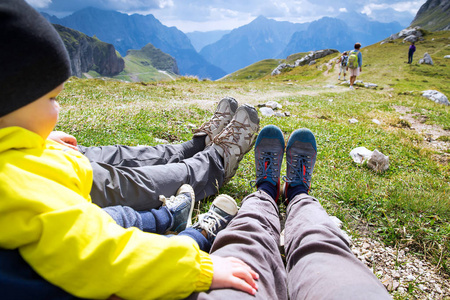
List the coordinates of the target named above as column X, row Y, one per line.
column 46, row 213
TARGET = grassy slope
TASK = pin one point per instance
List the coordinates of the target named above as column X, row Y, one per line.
column 408, row 205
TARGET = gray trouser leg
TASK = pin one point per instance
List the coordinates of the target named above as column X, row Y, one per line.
column 253, row 236
column 320, row 264
column 136, row 176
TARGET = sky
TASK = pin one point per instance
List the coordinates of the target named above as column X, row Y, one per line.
column 208, row 15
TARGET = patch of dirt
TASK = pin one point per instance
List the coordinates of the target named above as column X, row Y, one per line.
column 431, row 133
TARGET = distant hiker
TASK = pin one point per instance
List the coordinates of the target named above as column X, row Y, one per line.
column 342, row 64
column 354, row 64
column 411, row 51
column 55, row 243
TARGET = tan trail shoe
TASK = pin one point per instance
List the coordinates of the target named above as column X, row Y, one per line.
column 223, row 115
column 237, row 138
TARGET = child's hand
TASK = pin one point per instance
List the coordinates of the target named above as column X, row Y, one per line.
column 231, row 272
column 64, row 139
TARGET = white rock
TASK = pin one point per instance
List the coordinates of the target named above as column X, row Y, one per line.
column 447, row 56
column 266, row 111
column 279, row 114
column 360, row 154
column 273, row 105
column 410, row 277
column 161, row 141
column 436, row 96
column 376, row 121
column 353, row 121
column 330, row 100
column 426, row 59
column 370, row 85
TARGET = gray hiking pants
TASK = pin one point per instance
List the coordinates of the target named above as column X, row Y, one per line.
column 136, row 176
column 319, row 262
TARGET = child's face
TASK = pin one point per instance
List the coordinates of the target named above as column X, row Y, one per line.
column 39, row 116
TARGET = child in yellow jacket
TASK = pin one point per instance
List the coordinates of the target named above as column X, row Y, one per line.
column 45, row 209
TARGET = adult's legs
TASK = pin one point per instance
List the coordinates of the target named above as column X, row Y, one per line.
column 320, row 264
column 140, row 187
column 253, row 236
column 141, row 156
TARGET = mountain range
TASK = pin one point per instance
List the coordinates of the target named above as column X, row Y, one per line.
column 225, row 52
column 265, row 38
column 135, row 31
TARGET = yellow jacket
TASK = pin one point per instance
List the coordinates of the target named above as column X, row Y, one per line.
column 46, row 212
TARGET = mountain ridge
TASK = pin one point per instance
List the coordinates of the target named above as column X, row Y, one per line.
column 126, row 32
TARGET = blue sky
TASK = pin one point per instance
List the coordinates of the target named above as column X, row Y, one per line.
column 207, row 15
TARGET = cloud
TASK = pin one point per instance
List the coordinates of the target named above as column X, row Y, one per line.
column 39, row 3
column 401, row 6
column 229, row 14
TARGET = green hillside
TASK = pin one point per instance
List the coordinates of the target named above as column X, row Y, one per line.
column 406, row 207
column 148, row 64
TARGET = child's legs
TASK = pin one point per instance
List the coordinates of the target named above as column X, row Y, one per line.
column 253, row 236
column 139, row 156
column 140, row 187
column 320, row 264
column 153, row 221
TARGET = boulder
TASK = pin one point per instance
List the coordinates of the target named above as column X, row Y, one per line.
column 410, row 38
column 426, row 59
column 436, row 96
column 447, row 56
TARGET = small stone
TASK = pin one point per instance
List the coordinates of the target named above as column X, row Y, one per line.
column 161, row 141
column 410, row 277
column 352, row 121
column 376, row 121
column 266, row 111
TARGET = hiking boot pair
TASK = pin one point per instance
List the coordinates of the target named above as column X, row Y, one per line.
column 231, row 131
column 301, row 151
column 220, row 213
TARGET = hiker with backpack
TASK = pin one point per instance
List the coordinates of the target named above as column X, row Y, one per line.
column 342, row 64
column 354, row 64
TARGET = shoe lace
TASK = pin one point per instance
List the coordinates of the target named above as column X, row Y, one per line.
column 233, row 130
column 267, row 165
column 300, row 168
column 172, row 201
column 214, row 122
column 210, row 222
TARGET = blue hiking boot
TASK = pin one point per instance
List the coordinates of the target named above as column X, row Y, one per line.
column 180, row 207
column 269, row 151
column 301, row 152
column 222, row 211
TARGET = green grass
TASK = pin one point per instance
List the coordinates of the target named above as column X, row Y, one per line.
column 406, row 206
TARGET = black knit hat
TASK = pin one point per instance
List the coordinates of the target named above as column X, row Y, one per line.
column 33, row 59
